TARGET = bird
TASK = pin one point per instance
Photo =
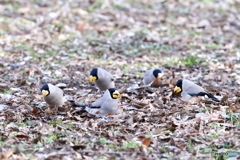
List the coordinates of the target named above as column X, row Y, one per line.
column 53, row 95
column 152, row 77
column 102, row 78
column 107, row 104
column 189, row 89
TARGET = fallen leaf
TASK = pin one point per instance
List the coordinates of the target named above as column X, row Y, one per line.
column 49, row 111
column 199, row 120
column 35, row 111
column 78, row 147
column 80, row 27
column 8, row 153
column 192, row 134
column 146, row 142
column 211, row 116
column 217, row 120
column 23, row 136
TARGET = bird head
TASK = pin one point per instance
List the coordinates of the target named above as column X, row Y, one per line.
column 158, row 73
column 114, row 93
column 45, row 90
column 178, row 87
column 93, row 75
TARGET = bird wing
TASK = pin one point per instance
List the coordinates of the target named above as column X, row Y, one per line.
column 109, row 106
column 95, row 107
column 60, row 91
column 55, row 98
column 104, row 74
column 105, row 80
column 148, row 77
column 105, row 104
column 109, row 75
column 78, row 105
column 207, row 94
column 191, row 88
column 97, row 103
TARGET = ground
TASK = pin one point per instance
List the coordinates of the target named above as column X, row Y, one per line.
column 60, row 41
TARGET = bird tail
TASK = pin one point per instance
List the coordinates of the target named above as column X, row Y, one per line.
column 70, row 100
column 75, row 104
column 212, row 97
column 78, row 105
column 207, row 94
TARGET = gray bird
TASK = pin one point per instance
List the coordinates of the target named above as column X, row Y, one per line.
column 102, row 78
column 189, row 89
column 53, row 95
column 152, row 77
column 107, row 104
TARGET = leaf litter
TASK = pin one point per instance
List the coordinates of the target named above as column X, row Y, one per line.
column 59, row 42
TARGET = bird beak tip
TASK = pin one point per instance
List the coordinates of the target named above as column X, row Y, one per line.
column 44, row 93
column 177, row 90
column 116, row 94
column 92, row 78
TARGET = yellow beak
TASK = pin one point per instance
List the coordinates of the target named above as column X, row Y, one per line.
column 116, row 94
column 159, row 75
column 177, row 89
column 45, row 93
column 92, row 78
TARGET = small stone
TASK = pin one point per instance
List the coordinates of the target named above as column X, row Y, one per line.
column 2, row 106
column 5, row 96
column 204, row 23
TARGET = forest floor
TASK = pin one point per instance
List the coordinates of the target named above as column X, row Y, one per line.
column 60, row 42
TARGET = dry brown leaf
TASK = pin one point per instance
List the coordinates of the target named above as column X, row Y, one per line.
column 233, row 108
column 224, row 99
column 80, row 27
column 8, row 153
column 192, row 134
column 78, row 147
column 164, row 99
column 211, row 116
column 49, row 111
column 146, row 142
column 61, row 41
column 199, row 120
column 23, row 136
column 217, row 120
column 123, row 137
column 35, row 111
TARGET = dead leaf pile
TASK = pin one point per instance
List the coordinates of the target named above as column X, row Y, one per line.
column 59, row 42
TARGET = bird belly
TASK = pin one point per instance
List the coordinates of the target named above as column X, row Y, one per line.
column 109, row 108
column 52, row 101
column 185, row 96
column 104, row 85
